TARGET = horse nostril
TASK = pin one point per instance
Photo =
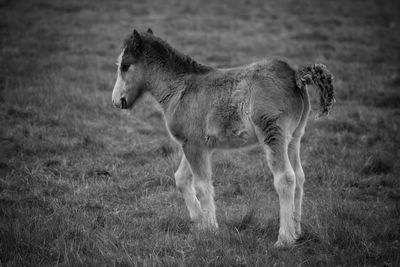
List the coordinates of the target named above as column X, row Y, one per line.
column 123, row 102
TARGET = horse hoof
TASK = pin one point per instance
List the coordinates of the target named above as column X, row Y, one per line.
column 279, row 244
column 298, row 233
column 284, row 242
column 206, row 226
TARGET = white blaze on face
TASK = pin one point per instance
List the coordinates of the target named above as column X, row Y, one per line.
column 118, row 90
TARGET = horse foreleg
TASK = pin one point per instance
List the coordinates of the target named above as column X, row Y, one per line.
column 199, row 161
column 184, row 182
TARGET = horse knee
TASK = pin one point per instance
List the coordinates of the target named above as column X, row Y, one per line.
column 181, row 181
column 204, row 189
column 285, row 182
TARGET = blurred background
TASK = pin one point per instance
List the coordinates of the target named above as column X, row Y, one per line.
column 82, row 183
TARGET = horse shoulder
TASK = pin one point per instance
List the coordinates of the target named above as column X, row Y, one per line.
column 174, row 119
column 184, row 114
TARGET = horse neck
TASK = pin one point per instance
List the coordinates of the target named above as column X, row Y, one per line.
column 165, row 85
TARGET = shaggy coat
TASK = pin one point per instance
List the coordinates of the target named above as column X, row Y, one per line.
column 206, row 109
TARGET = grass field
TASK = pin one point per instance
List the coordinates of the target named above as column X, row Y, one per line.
column 83, row 183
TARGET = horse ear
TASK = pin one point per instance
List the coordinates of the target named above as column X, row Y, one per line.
column 137, row 41
column 150, row 31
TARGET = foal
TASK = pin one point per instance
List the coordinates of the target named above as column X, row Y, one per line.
column 206, row 109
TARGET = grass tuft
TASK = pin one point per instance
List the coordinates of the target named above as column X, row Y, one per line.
column 377, row 164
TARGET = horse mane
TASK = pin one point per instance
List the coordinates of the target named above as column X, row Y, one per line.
column 157, row 51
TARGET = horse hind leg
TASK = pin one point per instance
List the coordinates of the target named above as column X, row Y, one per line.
column 275, row 143
column 184, row 182
column 294, row 156
column 284, row 182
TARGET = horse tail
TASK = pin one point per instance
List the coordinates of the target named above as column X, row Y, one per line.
column 319, row 75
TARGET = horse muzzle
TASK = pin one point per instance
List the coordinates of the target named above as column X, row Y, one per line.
column 121, row 103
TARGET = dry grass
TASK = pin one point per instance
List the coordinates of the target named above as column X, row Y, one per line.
column 82, row 183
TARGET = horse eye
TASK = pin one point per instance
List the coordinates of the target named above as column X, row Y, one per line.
column 124, row 67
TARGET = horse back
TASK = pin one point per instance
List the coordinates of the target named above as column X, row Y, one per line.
column 218, row 109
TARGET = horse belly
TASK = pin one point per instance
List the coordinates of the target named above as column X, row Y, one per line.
column 241, row 135
column 234, row 142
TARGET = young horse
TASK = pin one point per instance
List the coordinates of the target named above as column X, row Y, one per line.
column 206, row 109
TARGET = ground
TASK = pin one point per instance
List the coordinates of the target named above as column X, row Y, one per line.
column 83, row 183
